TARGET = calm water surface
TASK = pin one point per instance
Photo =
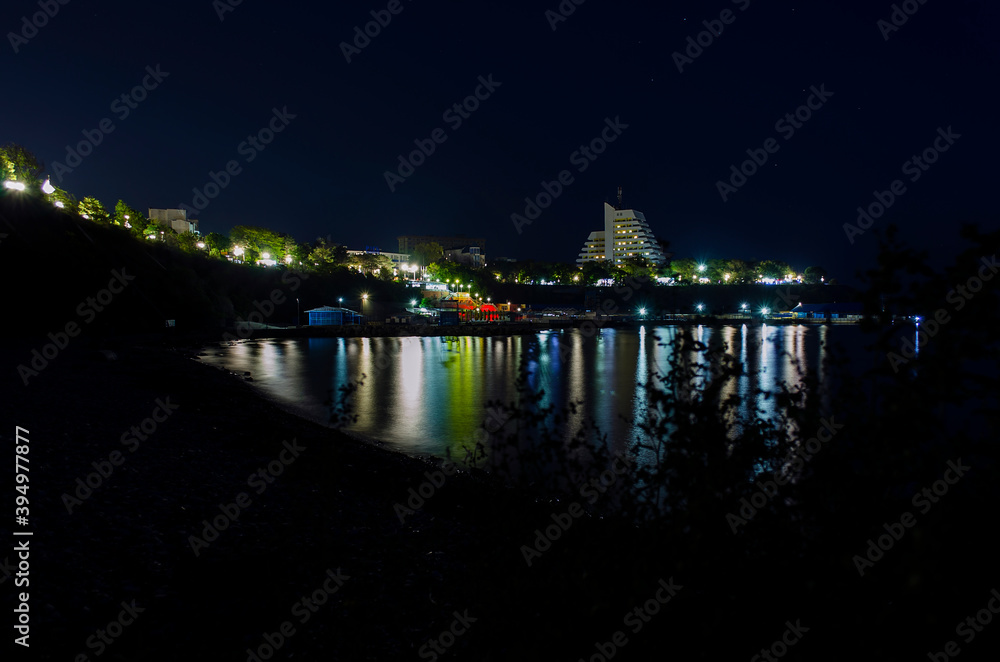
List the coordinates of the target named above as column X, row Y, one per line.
column 423, row 395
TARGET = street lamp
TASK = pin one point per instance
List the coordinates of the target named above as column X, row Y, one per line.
column 297, row 325
column 48, row 188
column 700, row 307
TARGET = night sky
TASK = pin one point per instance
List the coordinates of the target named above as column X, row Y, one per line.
column 324, row 173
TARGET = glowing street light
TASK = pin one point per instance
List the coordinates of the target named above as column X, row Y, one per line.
column 200, row 244
column 413, row 302
column 642, row 311
column 14, row 186
column 726, row 277
column 266, row 255
column 700, row 307
column 48, row 188
column 765, row 311
column 58, row 203
column 288, row 259
column 701, row 268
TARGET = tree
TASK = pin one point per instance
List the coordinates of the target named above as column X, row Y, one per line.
column 425, row 253
column 772, row 269
column 133, row 219
column 565, row 273
column 637, row 267
column 325, row 256
column 686, row 269
column 593, row 271
column 94, row 211
column 67, row 199
column 20, row 165
column 187, row 241
column 255, row 241
column 815, row 275
column 217, row 243
column 739, row 271
column 715, row 270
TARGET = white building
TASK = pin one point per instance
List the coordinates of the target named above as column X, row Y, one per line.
column 397, row 259
column 176, row 219
column 626, row 234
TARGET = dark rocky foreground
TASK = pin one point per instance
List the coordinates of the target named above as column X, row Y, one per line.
column 328, row 519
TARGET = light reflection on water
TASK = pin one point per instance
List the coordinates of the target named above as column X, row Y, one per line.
column 423, row 395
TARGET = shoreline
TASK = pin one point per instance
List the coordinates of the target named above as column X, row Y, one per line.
column 457, row 545
column 252, row 332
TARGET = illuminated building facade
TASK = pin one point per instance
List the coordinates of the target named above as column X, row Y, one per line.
column 626, row 234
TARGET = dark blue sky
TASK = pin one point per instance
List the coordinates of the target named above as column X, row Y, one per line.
column 323, row 174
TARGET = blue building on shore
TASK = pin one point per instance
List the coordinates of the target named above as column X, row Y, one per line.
column 330, row 316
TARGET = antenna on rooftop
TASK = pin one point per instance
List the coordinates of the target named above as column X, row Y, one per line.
column 619, row 197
